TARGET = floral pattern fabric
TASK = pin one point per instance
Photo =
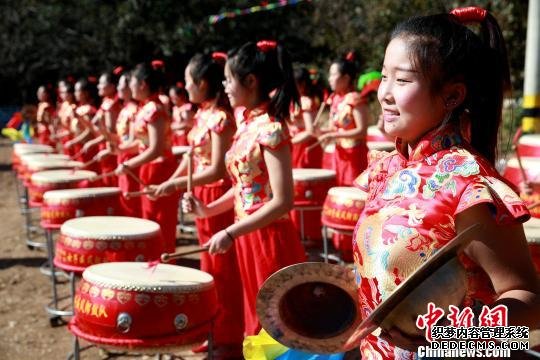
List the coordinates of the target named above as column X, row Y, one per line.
column 125, row 118
column 341, row 116
column 410, row 212
column 245, row 162
column 149, row 112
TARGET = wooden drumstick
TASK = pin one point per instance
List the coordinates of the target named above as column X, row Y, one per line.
column 165, row 257
column 189, row 171
column 74, row 157
column 133, row 176
column 319, row 114
column 88, row 163
column 313, row 146
column 101, row 176
column 138, row 193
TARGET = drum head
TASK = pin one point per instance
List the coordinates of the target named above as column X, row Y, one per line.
column 348, row 192
column 61, row 176
column 20, row 149
column 68, row 194
column 446, row 254
column 530, row 139
column 139, row 276
column 36, row 157
column 51, row 163
column 313, row 174
column 179, row 150
column 528, row 163
column 110, row 228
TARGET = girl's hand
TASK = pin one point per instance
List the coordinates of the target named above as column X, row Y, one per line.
column 220, row 243
column 68, row 144
column 166, row 188
column 120, row 170
column 151, row 189
column 325, row 137
column 190, row 204
column 395, row 337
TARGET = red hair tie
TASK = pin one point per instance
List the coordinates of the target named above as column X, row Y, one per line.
column 266, row 45
column 180, row 84
column 157, row 64
column 350, row 56
column 92, row 79
column 219, row 56
column 118, row 70
column 469, row 14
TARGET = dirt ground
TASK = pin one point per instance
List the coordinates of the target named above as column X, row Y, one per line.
column 25, row 329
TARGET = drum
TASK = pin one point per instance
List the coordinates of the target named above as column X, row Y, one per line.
column 532, row 233
column 134, row 306
column 328, row 155
column 95, row 239
column 376, row 140
column 44, row 181
column 62, row 205
column 310, row 189
column 343, row 207
column 35, row 164
column 312, row 185
column 21, row 149
column 529, row 145
column 512, row 172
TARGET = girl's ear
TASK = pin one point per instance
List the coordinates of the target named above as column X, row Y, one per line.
column 203, row 85
column 454, row 95
column 251, row 82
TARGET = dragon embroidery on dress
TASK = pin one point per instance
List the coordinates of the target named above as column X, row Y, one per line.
column 458, row 162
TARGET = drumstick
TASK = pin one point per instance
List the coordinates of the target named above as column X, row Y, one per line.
column 319, row 113
column 189, row 171
column 138, row 193
column 74, row 157
column 134, row 177
column 88, row 163
column 533, row 205
column 101, row 176
column 165, row 257
column 313, row 146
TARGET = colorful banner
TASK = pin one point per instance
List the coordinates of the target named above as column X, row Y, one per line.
column 214, row 19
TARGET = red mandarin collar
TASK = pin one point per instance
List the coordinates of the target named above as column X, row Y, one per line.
column 250, row 114
column 432, row 142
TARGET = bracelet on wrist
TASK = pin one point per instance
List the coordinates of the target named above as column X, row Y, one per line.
column 229, row 235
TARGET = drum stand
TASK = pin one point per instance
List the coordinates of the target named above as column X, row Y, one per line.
column 325, row 243
column 56, row 314
column 27, row 211
column 301, row 209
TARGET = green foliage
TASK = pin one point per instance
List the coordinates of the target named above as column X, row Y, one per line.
column 42, row 40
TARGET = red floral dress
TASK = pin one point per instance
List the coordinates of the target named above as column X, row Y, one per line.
column 410, row 212
column 268, row 249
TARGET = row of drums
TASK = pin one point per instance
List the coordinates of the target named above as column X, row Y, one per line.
column 125, row 299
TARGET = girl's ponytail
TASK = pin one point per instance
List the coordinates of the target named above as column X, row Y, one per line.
column 287, row 92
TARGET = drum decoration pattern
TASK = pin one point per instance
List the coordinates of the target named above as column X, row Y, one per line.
column 96, row 239
column 62, row 205
column 134, row 305
column 310, row 189
column 342, row 207
column 44, row 181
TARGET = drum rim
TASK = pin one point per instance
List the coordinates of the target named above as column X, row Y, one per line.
column 69, row 229
column 300, row 174
column 349, row 190
column 53, row 196
column 39, row 177
column 117, row 284
column 526, row 139
column 524, row 160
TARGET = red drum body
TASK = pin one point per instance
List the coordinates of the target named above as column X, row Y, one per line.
column 44, row 181
column 21, row 149
column 532, row 233
column 137, row 306
column 310, row 189
column 529, row 145
column 96, row 239
column 62, row 205
column 343, row 207
column 512, row 172
column 376, row 140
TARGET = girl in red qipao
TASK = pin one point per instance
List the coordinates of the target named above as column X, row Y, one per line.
column 182, row 114
column 124, row 147
column 45, row 115
column 437, row 75
column 349, row 117
column 259, row 163
column 105, row 124
column 66, row 111
column 81, row 121
column 302, row 117
column 155, row 159
column 210, row 138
